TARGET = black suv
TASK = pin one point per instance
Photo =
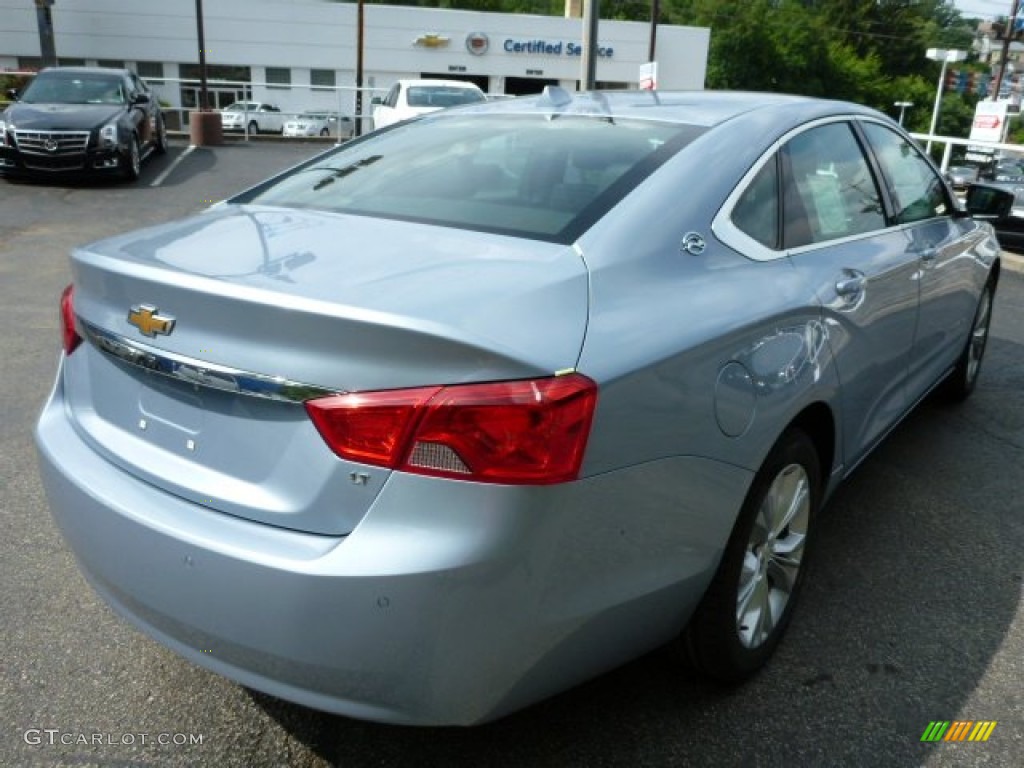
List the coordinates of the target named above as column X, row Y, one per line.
column 81, row 120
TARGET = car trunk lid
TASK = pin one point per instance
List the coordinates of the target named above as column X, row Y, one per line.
column 270, row 306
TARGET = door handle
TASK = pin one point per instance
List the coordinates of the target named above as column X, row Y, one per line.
column 852, row 285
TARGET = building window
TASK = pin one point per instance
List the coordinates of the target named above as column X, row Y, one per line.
column 150, row 71
column 320, row 79
column 279, row 77
column 30, row 63
column 112, row 63
column 70, row 62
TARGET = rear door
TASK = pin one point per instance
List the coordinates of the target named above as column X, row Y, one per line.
column 861, row 269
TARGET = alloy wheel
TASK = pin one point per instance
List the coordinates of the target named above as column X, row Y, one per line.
column 773, row 555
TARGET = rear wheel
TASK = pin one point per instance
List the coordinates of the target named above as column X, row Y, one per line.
column 324, row 132
column 750, row 600
column 964, row 378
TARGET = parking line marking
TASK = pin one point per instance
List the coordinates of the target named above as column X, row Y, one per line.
column 177, row 161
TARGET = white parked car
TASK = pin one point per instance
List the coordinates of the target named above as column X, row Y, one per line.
column 408, row 98
column 252, row 117
column 319, row 124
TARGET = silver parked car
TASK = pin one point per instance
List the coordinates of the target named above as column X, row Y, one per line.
column 323, row 124
column 462, row 413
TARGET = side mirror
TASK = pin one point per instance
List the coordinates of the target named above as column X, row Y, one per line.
column 140, row 98
column 989, row 203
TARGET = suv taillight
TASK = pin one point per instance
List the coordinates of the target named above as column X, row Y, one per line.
column 513, row 432
column 68, row 335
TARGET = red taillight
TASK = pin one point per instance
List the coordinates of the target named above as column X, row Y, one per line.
column 68, row 335
column 515, row 432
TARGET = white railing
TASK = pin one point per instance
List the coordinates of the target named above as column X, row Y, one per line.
column 952, row 141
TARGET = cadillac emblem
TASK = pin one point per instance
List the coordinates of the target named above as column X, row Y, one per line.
column 50, row 145
column 476, row 43
column 147, row 319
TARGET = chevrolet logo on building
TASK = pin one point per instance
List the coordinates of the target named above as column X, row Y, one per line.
column 431, row 41
column 145, row 318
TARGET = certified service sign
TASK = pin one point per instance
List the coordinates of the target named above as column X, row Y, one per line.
column 477, row 43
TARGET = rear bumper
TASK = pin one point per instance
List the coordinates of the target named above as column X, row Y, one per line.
column 450, row 603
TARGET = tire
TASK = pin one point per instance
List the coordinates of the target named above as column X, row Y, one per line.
column 131, row 163
column 750, row 600
column 161, row 136
column 964, row 378
column 324, row 133
column 254, row 127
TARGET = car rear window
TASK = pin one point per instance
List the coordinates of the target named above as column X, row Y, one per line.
column 442, row 96
column 537, row 176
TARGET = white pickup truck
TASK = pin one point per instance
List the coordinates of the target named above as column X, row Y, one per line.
column 252, row 117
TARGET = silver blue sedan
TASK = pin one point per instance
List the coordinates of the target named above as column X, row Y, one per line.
column 474, row 408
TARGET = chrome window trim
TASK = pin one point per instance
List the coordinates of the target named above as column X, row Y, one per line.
column 722, row 225
column 199, row 373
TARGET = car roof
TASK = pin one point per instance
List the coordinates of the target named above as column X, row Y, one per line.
column 452, row 83
column 85, row 71
column 701, row 108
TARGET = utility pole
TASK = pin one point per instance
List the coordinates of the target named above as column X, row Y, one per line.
column 589, row 63
column 359, row 69
column 204, row 97
column 1004, row 57
column 47, row 49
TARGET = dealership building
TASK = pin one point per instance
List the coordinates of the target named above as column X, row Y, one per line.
column 302, row 54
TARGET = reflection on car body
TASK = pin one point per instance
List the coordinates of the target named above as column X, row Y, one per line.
column 464, row 412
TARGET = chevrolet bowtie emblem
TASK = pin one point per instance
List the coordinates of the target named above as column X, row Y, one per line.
column 145, row 318
column 431, row 41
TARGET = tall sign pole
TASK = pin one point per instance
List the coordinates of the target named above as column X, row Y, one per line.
column 47, row 49
column 655, row 12
column 589, row 63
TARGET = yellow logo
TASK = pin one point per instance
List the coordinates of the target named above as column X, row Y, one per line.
column 145, row 318
column 431, row 41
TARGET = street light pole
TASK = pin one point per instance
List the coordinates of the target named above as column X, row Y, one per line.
column 945, row 56
column 903, row 105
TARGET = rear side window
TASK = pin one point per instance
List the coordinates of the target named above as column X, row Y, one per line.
column 757, row 211
column 523, row 175
column 830, row 190
column 917, row 191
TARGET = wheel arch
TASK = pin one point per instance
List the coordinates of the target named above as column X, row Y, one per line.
column 818, row 422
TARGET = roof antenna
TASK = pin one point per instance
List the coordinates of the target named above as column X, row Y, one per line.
column 557, row 95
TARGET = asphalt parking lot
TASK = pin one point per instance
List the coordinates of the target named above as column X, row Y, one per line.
column 913, row 611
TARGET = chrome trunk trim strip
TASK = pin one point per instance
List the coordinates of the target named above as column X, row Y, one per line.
column 198, row 372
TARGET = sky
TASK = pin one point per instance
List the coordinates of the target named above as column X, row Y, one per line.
column 984, row 9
